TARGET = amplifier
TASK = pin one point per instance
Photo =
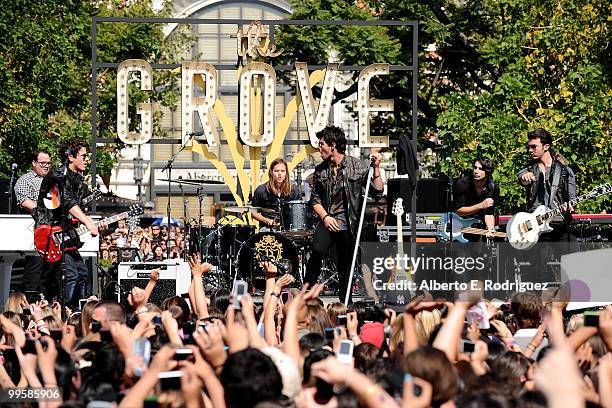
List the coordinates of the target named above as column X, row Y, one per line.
column 431, row 196
column 427, row 224
column 174, row 279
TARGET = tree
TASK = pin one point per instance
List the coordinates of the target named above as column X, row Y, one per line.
column 45, row 66
column 499, row 69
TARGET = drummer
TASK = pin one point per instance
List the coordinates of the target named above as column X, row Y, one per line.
column 269, row 195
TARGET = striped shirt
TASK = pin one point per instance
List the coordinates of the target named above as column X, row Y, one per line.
column 28, row 186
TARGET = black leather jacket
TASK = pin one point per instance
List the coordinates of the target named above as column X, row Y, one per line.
column 535, row 191
column 354, row 174
column 73, row 190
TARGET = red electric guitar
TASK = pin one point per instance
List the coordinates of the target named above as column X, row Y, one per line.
column 50, row 241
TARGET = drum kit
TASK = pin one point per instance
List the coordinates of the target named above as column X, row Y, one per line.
column 237, row 251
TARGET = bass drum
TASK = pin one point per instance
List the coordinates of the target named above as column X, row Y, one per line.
column 273, row 245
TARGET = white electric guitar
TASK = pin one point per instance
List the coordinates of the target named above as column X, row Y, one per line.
column 524, row 228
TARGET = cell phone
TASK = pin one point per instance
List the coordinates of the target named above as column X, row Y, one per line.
column 467, row 346
column 443, row 311
column 189, row 327
column 345, row 352
column 29, row 347
column 105, row 335
column 95, row 326
column 329, row 333
column 478, row 314
column 240, row 289
column 285, row 297
column 591, row 318
column 82, row 303
column 157, row 321
column 27, row 311
column 142, row 347
column 56, row 334
column 324, row 393
column 32, row 296
column 183, row 354
column 341, row 320
column 170, row 380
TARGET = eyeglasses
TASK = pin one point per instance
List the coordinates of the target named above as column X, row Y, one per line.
column 84, row 156
column 44, row 164
column 532, row 147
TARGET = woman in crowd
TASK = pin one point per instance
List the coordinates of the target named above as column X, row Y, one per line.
column 229, row 357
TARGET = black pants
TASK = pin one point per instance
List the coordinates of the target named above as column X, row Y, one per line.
column 323, row 241
column 40, row 276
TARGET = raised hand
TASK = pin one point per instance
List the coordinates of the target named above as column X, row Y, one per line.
column 137, row 298
column 283, row 282
column 210, row 341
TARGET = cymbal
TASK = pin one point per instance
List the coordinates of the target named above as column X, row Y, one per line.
column 192, row 182
column 247, row 208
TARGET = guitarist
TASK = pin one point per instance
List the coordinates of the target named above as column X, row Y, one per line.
column 59, row 202
column 476, row 195
column 548, row 181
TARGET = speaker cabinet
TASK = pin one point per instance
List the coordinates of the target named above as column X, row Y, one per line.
column 431, row 196
column 174, row 279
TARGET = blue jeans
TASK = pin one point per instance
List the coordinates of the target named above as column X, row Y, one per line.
column 77, row 278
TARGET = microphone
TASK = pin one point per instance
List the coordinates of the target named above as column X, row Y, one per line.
column 12, row 180
column 282, row 265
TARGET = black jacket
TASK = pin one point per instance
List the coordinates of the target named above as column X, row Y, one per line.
column 407, row 162
column 354, row 174
column 73, row 189
column 535, row 191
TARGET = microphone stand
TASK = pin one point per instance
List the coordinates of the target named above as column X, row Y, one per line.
column 450, row 197
column 9, row 191
column 168, row 169
column 347, row 296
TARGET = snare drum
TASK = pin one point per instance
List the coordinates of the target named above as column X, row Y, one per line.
column 274, row 246
column 296, row 219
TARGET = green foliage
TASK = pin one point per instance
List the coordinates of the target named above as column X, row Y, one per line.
column 501, row 69
column 45, row 72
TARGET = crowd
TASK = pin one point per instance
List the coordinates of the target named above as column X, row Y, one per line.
column 149, row 243
column 293, row 350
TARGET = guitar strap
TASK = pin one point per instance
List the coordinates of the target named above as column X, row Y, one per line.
column 555, row 185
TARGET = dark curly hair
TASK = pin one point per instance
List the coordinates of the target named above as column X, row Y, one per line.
column 333, row 136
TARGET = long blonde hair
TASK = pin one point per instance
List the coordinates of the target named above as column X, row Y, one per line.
column 14, row 301
column 285, row 189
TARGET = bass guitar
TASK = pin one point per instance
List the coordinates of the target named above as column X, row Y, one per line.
column 461, row 226
column 51, row 241
column 524, row 229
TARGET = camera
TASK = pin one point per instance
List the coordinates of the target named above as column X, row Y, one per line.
column 467, row 346
column 170, row 380
column 345, row 352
